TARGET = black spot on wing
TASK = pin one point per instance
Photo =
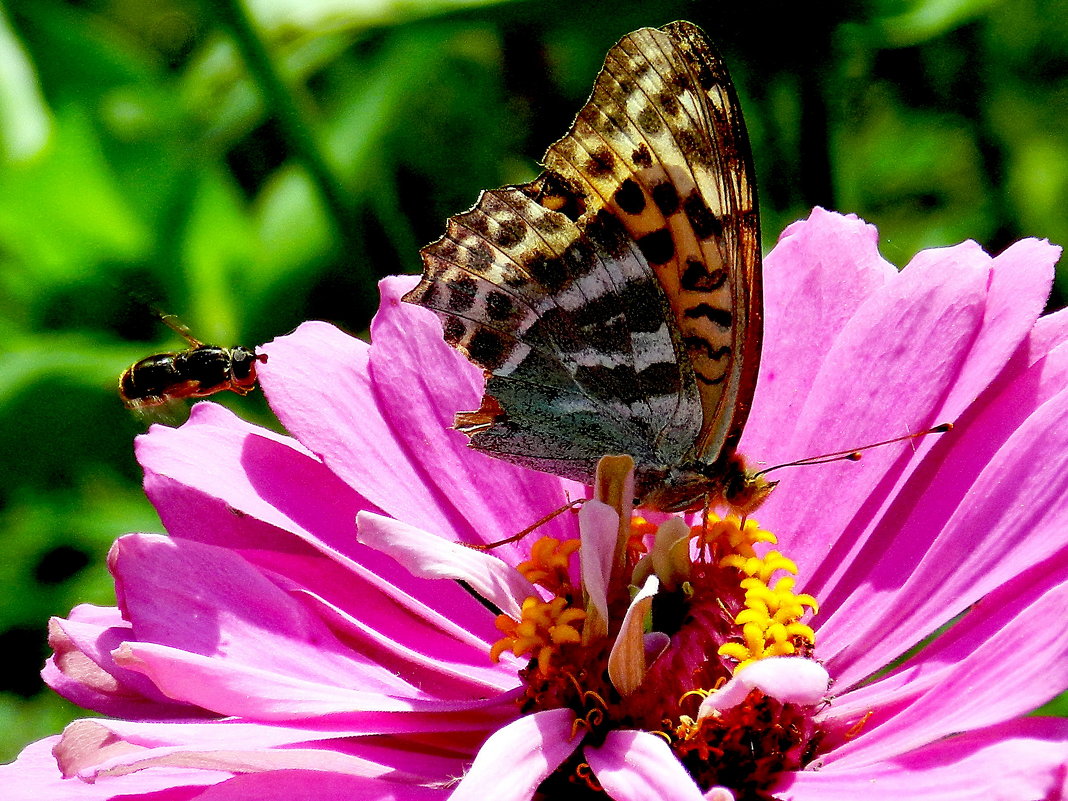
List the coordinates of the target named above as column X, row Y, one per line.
column 488, row 349
column 666, row 198
column 705, row 223
column 660, row 378
column 462, row 293
column 499, row 306
column 699, row 346
column 601, row 163
column 479, row 257
column 454, row 330
column 549, row 271
column 643, row 305
column 649, row 121
column 698, row 278
column 608, row 236
column 680, row 82
column 630, row 197
column 721, row 317
column 511, row 233
column 669, row 103
column 619, row 382
column 657, row 246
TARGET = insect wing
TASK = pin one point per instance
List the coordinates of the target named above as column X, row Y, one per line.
column 614, row 301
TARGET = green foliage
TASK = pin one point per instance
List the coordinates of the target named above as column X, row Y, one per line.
column 250, row 175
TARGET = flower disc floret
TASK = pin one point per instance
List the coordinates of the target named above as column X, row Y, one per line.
column 729, row 536
column 770, row 620
column 548, row 564
column 544, row 627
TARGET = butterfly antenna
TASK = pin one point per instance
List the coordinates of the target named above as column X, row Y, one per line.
column 516, row 537
column 854, row 454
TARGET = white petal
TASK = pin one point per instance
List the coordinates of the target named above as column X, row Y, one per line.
column 790, row 679
column 429, row 556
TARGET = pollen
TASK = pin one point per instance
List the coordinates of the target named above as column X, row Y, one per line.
column 543, row 628
column 640, row 530
column 548, row 564
column 771, row 618
column 730, row 536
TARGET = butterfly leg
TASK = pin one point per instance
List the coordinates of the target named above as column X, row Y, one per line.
column 516, row 537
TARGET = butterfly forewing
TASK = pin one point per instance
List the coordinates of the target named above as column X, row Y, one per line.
column 662, row 144
column 614, row 301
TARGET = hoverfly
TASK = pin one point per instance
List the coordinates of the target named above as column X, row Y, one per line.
column 196, row 372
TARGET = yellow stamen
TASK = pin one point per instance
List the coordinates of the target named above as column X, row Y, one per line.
column 543, row 627
column 730, row 536
column 640, row 528
column 770, row 620
column 548, row 563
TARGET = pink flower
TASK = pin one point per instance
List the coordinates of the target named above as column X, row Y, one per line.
column 268, row 650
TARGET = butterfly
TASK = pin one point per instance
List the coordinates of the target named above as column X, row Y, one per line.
column 614, row 302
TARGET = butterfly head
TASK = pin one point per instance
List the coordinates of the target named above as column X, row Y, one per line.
column 691, row 487
column 744, row 490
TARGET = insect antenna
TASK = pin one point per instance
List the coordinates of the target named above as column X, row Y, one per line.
column 854, row 454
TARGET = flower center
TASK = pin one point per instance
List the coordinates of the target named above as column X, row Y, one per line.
column 718, row 610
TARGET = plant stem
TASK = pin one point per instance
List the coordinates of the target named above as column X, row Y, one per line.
column 296, row 125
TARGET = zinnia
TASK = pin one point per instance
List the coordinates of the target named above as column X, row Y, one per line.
column 269, row 650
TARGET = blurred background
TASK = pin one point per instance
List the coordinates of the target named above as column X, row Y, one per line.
column 247, row 166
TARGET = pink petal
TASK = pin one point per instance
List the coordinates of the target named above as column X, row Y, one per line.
column 516, row 759
column 964, row 680
column 314, row 785
column 1050, row 331
column 638, row 766
column 1014, row 517
column 1018, row 760
column 1021, row 278
column 250, row 469
column 1018, row 284
column 865, row 370
column 815, row 278
column 82, row 669
column 232, row 613
column 93, row 752
column 388, row 613
column 598, row 530
column 1033, row 378
column 233, row 688
column 431, row 557
column 229, row 688
column 253, row 470
column 89, row 746
column 368, row 439
column 351, row 437
column 457, row 668
column 35, row 776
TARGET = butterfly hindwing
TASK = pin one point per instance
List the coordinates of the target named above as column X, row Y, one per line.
column 563, row 318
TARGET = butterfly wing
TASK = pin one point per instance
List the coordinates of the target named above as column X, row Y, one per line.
column 662, row 144
column 611, row 301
